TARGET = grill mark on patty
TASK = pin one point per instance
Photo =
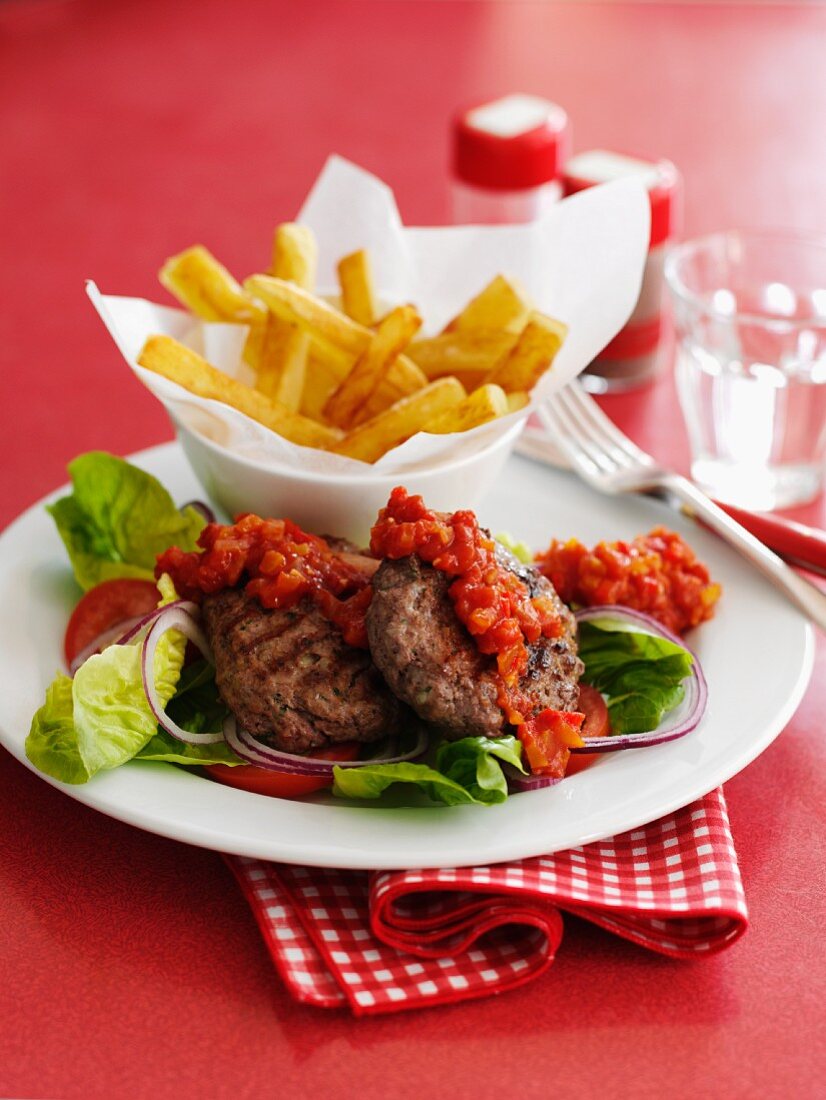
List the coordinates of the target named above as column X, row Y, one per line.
column 234, row 619
column 280, row 628
column 263, row 674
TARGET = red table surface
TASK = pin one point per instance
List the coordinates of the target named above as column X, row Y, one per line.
column 130, row 964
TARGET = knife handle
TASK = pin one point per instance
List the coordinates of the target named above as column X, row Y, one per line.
column 805, row 546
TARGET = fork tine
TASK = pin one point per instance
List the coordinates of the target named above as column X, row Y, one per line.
column 590, row 437
column 560, row 429
column 591, row 412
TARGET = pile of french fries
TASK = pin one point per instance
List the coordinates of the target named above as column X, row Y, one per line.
column 348, row 379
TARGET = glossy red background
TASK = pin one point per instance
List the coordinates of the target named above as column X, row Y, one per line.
column 130, row 965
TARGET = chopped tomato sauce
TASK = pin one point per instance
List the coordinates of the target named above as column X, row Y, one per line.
column 494, row 605
column 657, row 573
column 548, row 739
column 278, row 564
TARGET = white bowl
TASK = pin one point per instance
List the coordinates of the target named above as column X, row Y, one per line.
column 336, row 504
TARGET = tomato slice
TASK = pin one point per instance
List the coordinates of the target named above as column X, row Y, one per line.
column 246, row 777
column 103, row 607
column 596, row 724
column 595, row 709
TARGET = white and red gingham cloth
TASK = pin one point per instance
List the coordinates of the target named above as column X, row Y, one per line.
column 382, row 941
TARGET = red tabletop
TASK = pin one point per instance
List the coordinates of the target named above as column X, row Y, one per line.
column 130, row 964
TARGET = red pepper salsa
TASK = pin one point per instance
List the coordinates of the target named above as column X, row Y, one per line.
column 277, row 563
column 494, row 605
column 657, row 573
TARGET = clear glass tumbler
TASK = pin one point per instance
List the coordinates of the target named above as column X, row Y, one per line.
column 750, row 314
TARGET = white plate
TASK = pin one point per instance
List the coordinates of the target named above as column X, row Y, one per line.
column 757, row 654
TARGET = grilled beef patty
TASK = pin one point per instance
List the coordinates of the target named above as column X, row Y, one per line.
column 291, row 679
column 431, row 662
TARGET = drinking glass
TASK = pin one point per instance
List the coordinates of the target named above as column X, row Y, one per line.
column 750, row 315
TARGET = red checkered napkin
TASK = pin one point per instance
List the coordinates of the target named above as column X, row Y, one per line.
column 386, row 940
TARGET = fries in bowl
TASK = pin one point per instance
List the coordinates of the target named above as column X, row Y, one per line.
column 350, row 380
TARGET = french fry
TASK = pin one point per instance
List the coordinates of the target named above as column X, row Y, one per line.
column 282, row 362
column 295, row 254
column 324, row 323
column 174, row 361
column 325, row 373
column 337, row 361
column 369, row 441
column 518, row 400
column 501, row 305
column 532, row 354
column 403, row 379
column 254, row 343
column 358, row 297
column 463, row 352
column 319, row 382
column 336, row 339
column 205, row 287
column 477, row 408
column 393, row 335
column 275, row 351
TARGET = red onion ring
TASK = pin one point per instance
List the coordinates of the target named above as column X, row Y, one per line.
column 112, row 635
column 173, row 617
column 126, row 631
column 201, row 507
column 360, row 562
column 255, row 752
column 138, row 625
column 517, row 782
column 696, row 687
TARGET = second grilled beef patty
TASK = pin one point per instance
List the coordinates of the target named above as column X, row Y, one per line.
column 431, row 662
column 291, row 679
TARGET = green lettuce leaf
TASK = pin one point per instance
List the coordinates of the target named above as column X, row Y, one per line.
column 641, row 674
column 373, row 779
column 118, row 519
column 113, row 719
column 520, row 550
column 466, row 771
column 473, row 763
column 196, row 705
column 102, row 718
column 173, row 751
column 52, row 743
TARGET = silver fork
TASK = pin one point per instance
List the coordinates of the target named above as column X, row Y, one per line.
column 609, row 461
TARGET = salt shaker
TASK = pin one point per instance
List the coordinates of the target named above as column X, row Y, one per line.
column 508, row 157
column 635, row 355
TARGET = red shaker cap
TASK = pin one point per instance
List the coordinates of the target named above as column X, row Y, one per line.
column 660, row 177
column 507, row 144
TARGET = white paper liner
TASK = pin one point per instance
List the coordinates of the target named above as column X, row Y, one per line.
column 582, row 264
